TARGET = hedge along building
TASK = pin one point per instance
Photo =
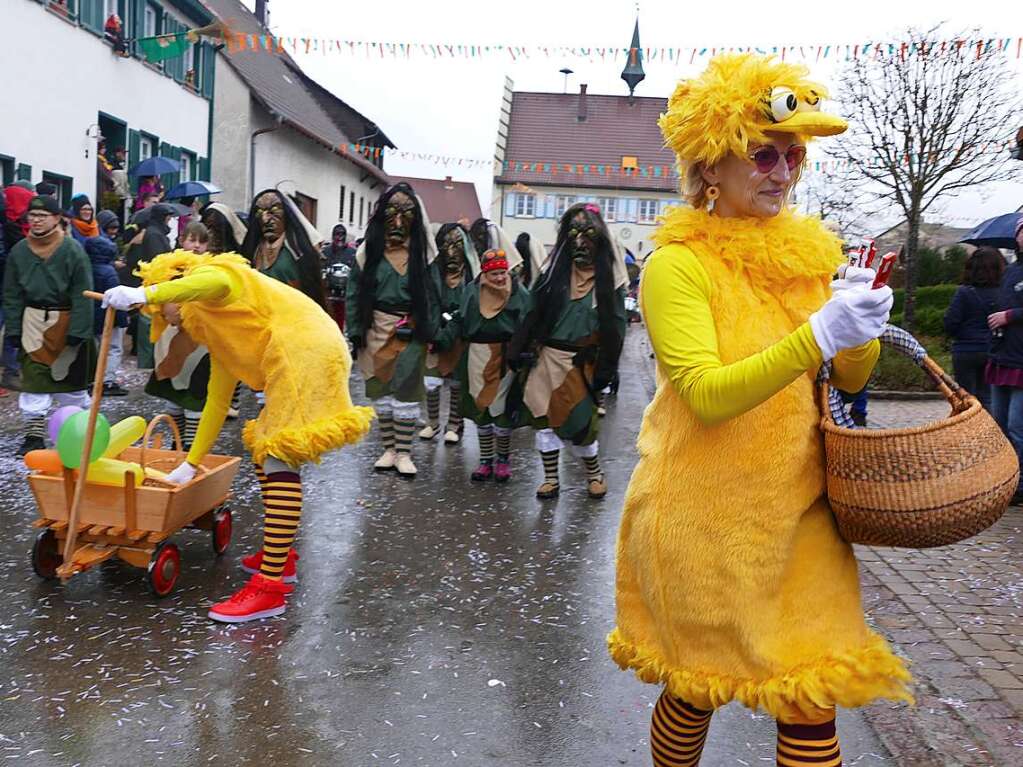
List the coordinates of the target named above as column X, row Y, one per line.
column 69, row 88
column 276, row 126
column 615, row 157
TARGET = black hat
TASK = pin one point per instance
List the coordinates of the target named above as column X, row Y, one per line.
column 46, row 203
column 46, row 188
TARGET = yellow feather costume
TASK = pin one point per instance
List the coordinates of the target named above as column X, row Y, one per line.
column 275, row 340
column 732, row 580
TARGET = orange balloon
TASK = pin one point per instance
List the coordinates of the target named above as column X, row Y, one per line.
column 44, row 460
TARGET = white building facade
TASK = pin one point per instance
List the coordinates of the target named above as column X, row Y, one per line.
column 66, row 87
column 276, row 128
column 631, row 217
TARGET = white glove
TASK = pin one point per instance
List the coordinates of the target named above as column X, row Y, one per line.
column 850, row 277
column 183, row 474
column 850, row 319
column 123, row 298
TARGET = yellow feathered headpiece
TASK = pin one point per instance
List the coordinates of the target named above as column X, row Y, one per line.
column 170, row 266
column 736, row 100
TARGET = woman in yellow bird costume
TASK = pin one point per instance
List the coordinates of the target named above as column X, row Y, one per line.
column 276, row 340
column 732, row 580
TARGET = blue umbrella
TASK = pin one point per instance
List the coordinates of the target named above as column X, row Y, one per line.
column 155, row 166
column 997, row 232
column 192, row 189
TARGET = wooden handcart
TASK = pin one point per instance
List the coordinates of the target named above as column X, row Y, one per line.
column 84, row 523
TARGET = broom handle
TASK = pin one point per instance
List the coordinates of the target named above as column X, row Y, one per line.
column 90, row 433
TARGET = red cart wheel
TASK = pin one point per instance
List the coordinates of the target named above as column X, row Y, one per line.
column 221, row 530
column 46, row 557
column 164, row 568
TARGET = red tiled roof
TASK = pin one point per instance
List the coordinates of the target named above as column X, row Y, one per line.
column 443, row 204
column 544, row 127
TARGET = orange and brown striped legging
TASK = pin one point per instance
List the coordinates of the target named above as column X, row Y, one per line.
column 282, row 502
column 678, row 732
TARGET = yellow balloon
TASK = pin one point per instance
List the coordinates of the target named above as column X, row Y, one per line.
column 123, row 434
column 109, row 471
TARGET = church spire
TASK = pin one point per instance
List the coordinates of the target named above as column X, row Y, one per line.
column 633, row 73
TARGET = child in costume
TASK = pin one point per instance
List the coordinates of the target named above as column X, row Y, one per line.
column 732, row 580
column 277, row 341
column 455, row 267
column 181, row 369
column 49, row 319
column 575, row 332
column 393, row 312
column 493, row 308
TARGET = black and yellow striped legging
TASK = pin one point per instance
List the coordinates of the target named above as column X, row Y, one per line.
column 282, row 502
column 678, row 733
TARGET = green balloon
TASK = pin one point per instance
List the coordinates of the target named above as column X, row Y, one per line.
column 71, row 439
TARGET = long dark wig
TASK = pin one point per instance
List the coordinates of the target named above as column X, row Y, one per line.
column 310, row 277
column 422, row 284
column 215, row 220
column 522, row 243
column 551, row 292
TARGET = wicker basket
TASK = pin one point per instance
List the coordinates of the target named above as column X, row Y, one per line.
column 919, row 487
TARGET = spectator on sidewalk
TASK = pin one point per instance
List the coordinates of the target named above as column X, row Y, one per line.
column 15, row 227
column 966, row 320
column 151, row 241
column 149, row 187
column 338, row 251
column 83, row 219
column 102, row 253
column 1005, row 368
column 15, row 222
column 109, row 224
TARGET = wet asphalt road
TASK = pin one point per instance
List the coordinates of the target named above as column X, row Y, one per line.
column 435, row 623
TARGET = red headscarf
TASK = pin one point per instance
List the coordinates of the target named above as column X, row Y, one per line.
column 18, row 199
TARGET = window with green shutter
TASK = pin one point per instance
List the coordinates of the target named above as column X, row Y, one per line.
column 205, row 69
column 24, row 172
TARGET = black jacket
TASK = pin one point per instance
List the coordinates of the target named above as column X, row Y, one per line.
column 1008, row 350
column 154, row 242
column 966, row 318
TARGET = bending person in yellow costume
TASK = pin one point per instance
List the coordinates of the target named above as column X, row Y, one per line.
column 276, row 340
column 732, row 580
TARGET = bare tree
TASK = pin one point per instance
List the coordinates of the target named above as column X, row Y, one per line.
column 833, row 195
column 927, row 120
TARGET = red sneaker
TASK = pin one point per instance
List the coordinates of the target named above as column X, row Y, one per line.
column 261, row 597
column 252, row 562
column 502, row 471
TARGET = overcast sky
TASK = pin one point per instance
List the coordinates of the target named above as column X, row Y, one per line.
column 450, row 107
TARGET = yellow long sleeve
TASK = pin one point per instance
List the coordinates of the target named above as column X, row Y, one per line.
column 676, row 295
column 218, row 401
column 203, row 284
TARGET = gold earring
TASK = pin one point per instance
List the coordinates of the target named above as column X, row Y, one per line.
column 712, row 192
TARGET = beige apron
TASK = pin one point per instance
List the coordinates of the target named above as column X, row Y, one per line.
column 44, row 338
column 177, row 357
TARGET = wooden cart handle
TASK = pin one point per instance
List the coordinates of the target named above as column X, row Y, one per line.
column 66, row 570
column 175, row 433
column 180, row 449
